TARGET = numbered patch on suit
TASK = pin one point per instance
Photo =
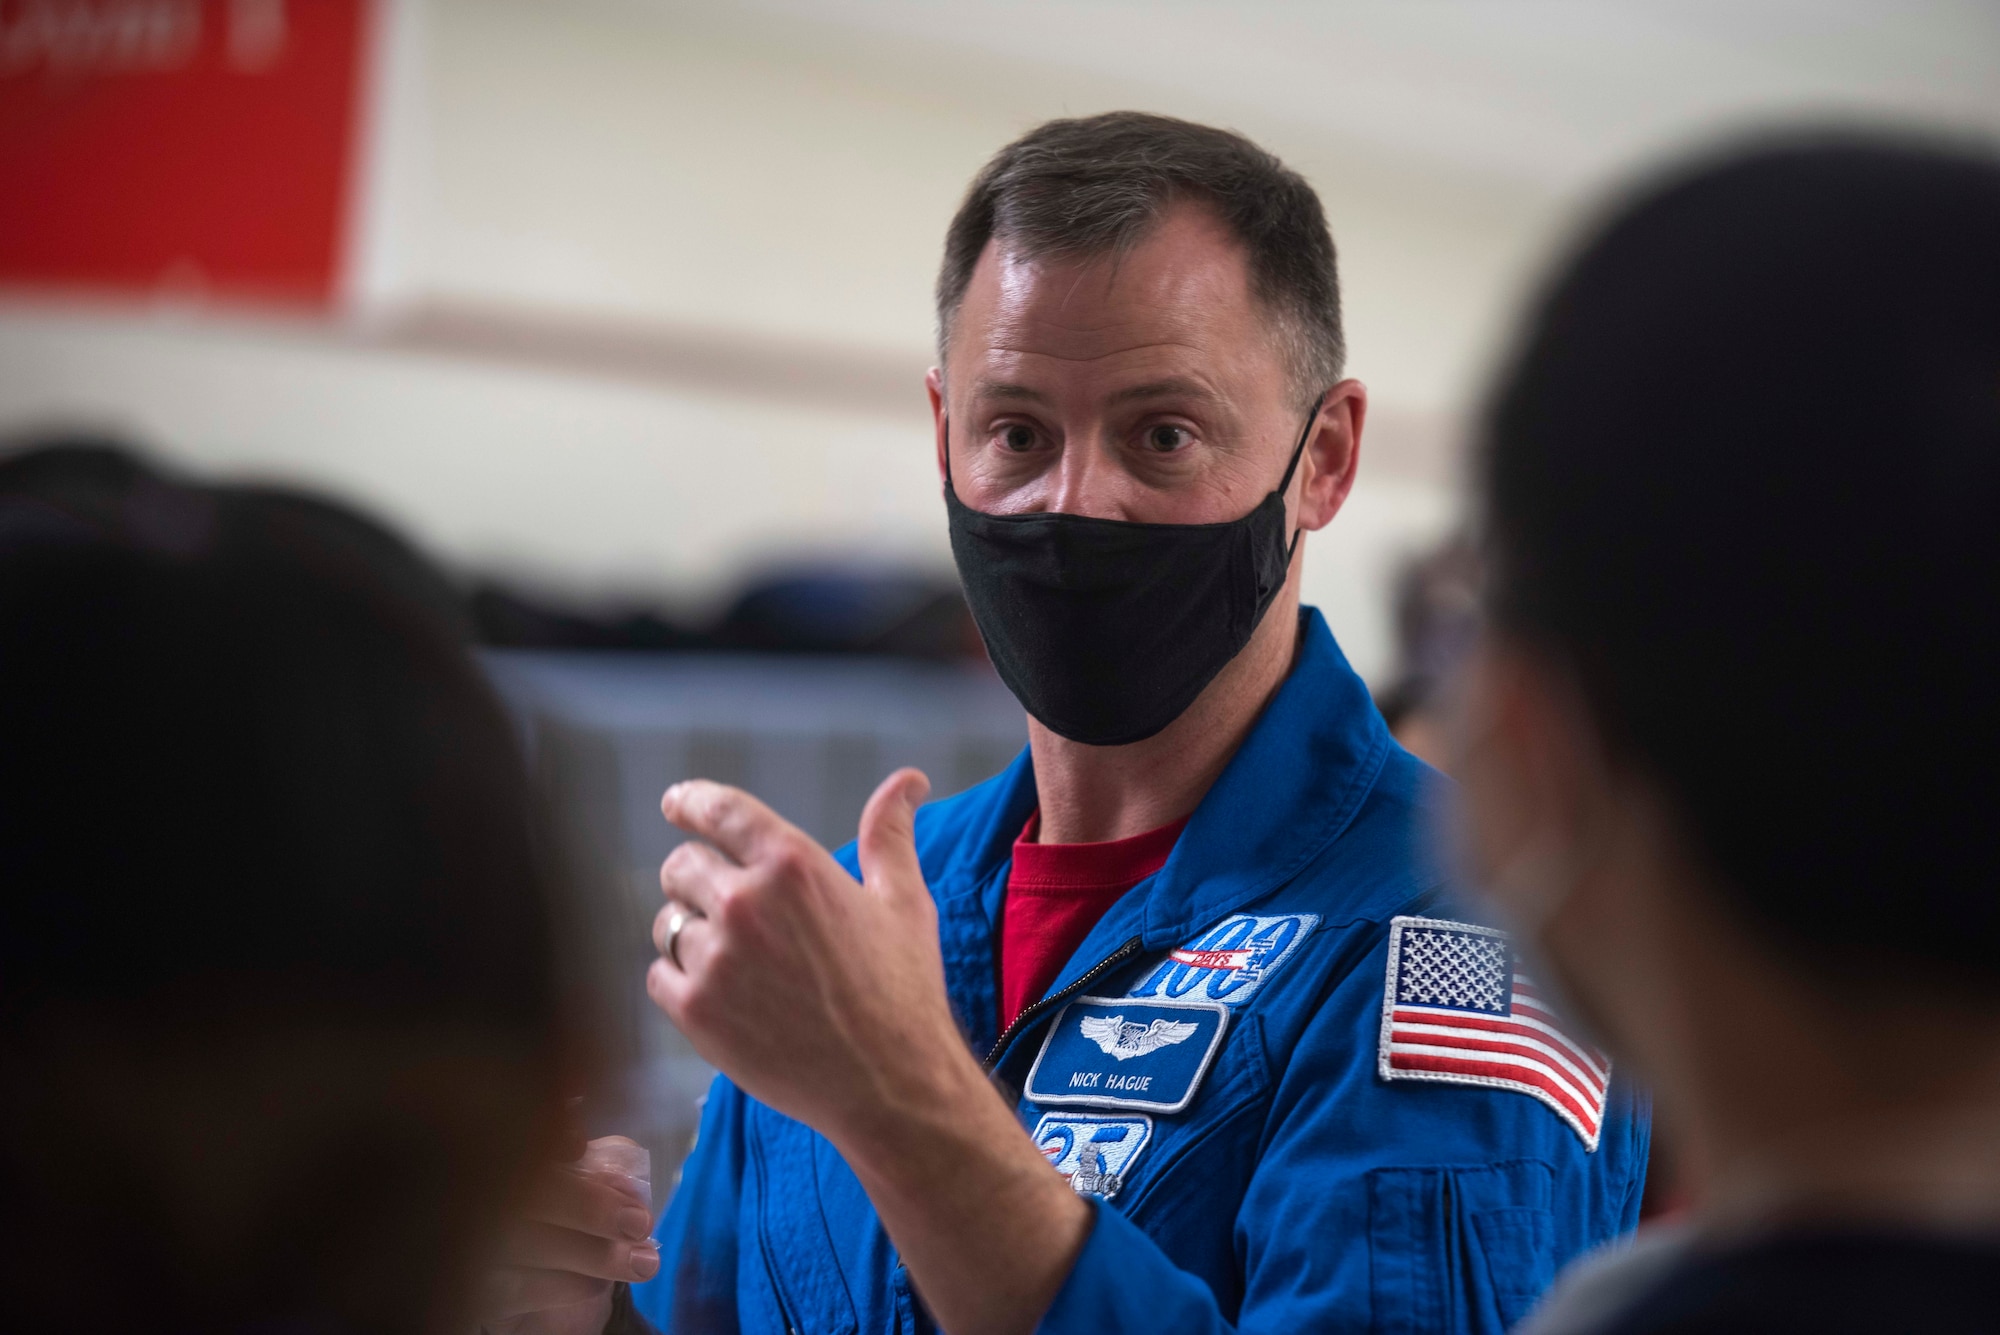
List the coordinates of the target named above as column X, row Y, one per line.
column 1094, row 1152
column 1229, row 961
column 1123, row 1052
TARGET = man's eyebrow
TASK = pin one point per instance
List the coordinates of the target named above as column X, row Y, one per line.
column 1173, row 386
column 1000, row 389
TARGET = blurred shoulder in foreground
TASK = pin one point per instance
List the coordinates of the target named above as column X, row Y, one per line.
column 279, row 1011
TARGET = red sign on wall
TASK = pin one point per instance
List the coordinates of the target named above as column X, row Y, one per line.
column 203, row 147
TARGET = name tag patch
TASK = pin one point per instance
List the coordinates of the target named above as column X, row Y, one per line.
column 1094, row 1153
column 1229, row 961
column 1121, row 1052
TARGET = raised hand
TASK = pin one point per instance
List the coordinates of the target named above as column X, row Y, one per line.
column 824, row 998
column 819, row 995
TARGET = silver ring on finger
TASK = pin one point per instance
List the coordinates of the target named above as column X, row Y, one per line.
column 678, row 917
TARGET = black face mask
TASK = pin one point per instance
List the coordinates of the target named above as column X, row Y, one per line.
column 1107, row 630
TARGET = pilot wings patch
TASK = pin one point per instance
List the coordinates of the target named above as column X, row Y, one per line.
column 1457, row 1009
column 1123, row 1052
column 1122, row 1039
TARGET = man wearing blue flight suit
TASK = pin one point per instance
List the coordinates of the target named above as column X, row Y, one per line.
column 1297, row 1190
column 1275, row 1082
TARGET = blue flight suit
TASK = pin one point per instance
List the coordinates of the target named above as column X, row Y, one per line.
column 1266, row 1175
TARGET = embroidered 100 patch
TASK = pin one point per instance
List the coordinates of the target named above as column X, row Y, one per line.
column 1229, row 961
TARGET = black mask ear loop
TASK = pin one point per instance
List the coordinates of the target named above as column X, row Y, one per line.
column 947, row 456
column 1298, row 452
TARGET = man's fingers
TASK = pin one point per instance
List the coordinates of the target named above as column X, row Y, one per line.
column 546, row 1247
column 669, row 988
column 672, row 991
column 686, row 950
column 681, row 1000
column 729, row 818
column 696, row 875
column 595, row 1203
column 511, row 1291
column 887, row 845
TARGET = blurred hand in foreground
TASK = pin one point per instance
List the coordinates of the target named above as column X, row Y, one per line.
column 586, row 1227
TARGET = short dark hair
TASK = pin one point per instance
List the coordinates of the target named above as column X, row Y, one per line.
column 1097, row 185
column 1744, row 476
column 268, row 889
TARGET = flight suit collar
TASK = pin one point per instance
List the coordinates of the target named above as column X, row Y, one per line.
column 1291, row 788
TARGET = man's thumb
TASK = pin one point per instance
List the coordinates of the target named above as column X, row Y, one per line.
column 887, row 844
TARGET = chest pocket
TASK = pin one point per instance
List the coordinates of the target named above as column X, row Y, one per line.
column 799, row 1254
column 1461, row 1249
column 1518, row 1248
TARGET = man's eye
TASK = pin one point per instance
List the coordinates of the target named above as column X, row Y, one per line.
column 1167, row 439
column 1018, row 438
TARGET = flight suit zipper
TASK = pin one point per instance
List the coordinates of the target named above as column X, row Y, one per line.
column 1032, row 1013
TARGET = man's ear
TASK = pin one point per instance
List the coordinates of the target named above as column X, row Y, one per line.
column 1333, row 453
column 934, row 387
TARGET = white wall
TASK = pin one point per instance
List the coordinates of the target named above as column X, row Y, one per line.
column 773, row 176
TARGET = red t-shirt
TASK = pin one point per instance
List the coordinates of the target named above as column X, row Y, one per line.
column 1055, row 895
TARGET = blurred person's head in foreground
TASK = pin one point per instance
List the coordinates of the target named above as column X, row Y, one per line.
column 1733, row 750
column 278, row 995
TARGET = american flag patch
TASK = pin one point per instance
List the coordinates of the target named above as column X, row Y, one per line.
column 1456, row 1008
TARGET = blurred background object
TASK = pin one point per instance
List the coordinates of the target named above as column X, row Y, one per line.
column 622, row 307
column 179, row 147
column 1436, row 607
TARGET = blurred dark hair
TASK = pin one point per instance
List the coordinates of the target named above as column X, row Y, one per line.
column 1097, row 185
column 1745, row 477
column 278, row 977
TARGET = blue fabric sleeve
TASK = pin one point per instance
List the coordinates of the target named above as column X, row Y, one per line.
column 696, row 1286
column 1122, row 1281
